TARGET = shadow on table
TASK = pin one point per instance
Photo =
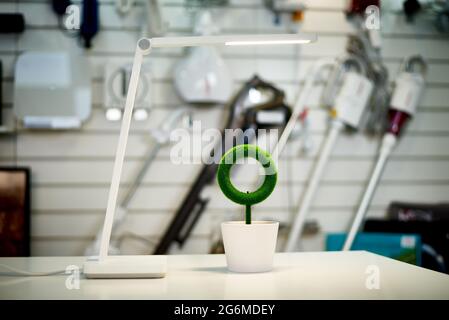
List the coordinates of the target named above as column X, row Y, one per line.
column 224, row 270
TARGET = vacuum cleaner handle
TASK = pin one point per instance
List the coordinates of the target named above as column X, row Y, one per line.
column 192, row 203
column 194, row 217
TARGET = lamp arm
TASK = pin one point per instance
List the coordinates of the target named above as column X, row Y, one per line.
column 143, row 48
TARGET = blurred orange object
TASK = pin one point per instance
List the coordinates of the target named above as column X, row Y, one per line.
column 298, row 16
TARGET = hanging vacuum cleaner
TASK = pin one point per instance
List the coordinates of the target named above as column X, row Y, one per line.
column 409, row 86
column 351, row 100
column 257, row 105
column 360, row 45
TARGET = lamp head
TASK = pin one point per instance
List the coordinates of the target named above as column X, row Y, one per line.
column 234, row 40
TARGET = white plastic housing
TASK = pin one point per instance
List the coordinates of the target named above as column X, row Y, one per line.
column 407, row 92
column 353, row 98
column 52, row 90
column 250, row 247
column 203, row 77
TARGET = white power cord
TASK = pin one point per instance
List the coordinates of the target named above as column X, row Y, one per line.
column 18, row 272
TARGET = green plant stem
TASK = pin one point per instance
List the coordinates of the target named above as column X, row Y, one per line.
column 248, row 214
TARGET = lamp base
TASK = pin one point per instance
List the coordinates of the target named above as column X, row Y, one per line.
column 125, row 267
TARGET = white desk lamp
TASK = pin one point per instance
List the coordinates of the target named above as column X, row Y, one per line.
column 147, row 266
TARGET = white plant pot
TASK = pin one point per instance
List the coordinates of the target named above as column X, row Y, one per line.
column 249, row 247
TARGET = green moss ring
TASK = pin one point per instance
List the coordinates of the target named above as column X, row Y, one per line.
column 248, row 198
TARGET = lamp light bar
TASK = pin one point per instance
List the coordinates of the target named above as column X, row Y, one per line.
column 268, row 42
column 234, row 40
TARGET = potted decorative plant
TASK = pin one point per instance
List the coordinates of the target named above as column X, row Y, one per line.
column 249, row 245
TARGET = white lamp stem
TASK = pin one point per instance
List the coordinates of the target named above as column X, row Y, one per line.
column 120, row 153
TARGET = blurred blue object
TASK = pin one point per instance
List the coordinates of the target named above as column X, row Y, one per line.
column 402, row 247
column 89, row 22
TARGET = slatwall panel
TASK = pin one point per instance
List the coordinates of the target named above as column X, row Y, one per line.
column 71, row 170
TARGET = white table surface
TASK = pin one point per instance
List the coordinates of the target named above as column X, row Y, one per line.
column 314, row 275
